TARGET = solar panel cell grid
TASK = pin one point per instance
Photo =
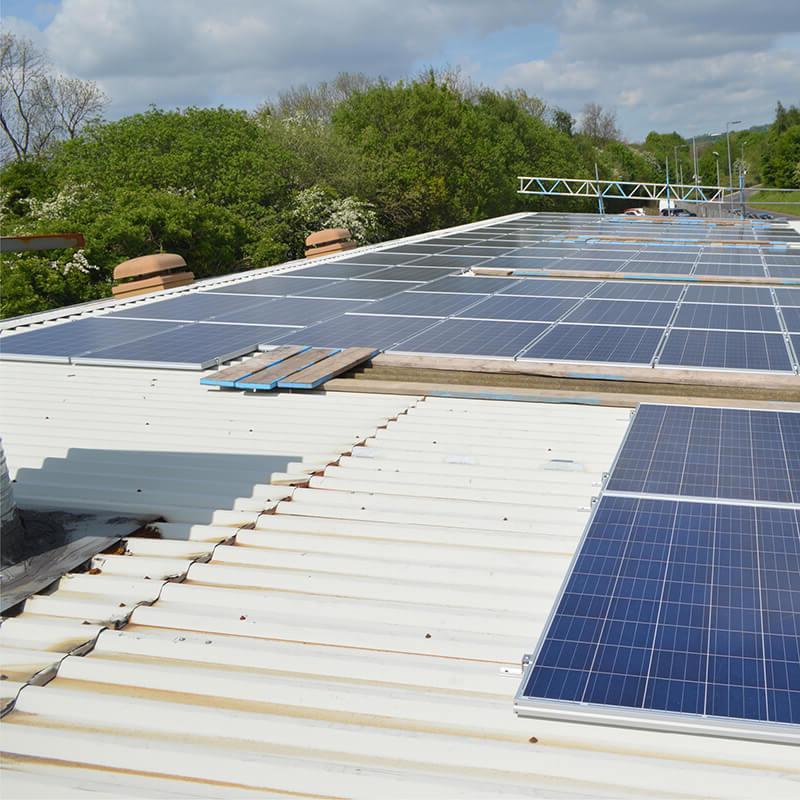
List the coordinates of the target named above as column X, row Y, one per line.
column 727, row 317
column 474, row 338
column 270, row 286
column 357, row 290
column 678, row 607
column 520, row 309
column 725, row 350
column 622, row 312
column 544, row 287
column 746, row 295
column 619, row 345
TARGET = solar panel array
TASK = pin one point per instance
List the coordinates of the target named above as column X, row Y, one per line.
column 681, row 609
column 338, row 303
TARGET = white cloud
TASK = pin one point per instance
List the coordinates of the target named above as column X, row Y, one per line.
column 687, row 65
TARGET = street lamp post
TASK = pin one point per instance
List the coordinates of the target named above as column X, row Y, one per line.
column 716, row 158
column 728, row 141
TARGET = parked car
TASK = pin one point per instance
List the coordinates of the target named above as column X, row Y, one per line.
column 677, row 212
column 635, row 212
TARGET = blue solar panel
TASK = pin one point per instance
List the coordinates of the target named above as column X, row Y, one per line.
column 689, row 608
column 714, row 453
column 61, row 342
column 545, row 287
column 423, row 304
column 339, row 269
column 658, row 267
column 412, row 274
column 677, row 256
column 193, row 346
column 272, row 286
column 619, row 290
column 726, row 350
column 788, row 297
column 727, row 317
column 600, row 343
column 518, row 262
column 785, row 272
column 469, row 284
column 588, row 264
column 468, row 337
column 382, row 258
column 188, row 307
column 359, row 330
column 622, row 312
column 520, row 309
column 357, row 290
column 293, row 312
column 744, row 295
column 452, row 261
column 734, row 270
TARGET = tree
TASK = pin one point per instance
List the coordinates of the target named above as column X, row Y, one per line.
column 563, row 121
column 599, row 125
column 317, row 103
column 36, row 106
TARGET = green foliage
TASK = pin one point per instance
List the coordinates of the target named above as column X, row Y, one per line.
column 33, row 282
column 229, row 190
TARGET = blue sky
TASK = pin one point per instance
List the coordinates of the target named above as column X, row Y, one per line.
column 689, row 65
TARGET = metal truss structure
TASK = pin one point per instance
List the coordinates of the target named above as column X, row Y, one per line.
column 624, row 190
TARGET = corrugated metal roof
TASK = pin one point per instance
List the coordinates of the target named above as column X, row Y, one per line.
column 361, row 636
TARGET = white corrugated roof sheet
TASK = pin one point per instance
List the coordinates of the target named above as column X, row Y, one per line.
column 355, row 636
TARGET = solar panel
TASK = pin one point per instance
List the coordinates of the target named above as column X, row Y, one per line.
column 678, row 615
column 666, row 255
column 520, row 262
column 469, row 284
column 189, row 307
column 588, row 264
column 381, row 258
column 791, row 316
column 488, row 249
column 380, row 332
column 194, row 346
column 339, row 269
column 520, row 309
column 717, row 453
column 733, row 270
column 658, row 267
column 357, row 290
column 291, row 311
column 788, row 297
column 413, row 274
column 271, row 286
column 451, row 261
column 618, row 290
column 727, row 317
column 61, row 342
column 622, row 312
column 745, row 295
column 423, row 304
column 725, row 350
column 609, row 344
column 784, row 272
column 467, row 337
column 546, row 287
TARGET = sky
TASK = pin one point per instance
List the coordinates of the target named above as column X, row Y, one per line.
column 686, row 65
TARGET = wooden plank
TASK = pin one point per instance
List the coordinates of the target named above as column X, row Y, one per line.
column 604, row 396
column 787, row 382
column 267, row 379
column 313, row 376
column 229, row 376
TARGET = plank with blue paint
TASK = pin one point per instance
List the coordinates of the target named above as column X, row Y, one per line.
column 319, row 373
column 267, row 379
column 228, row 377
